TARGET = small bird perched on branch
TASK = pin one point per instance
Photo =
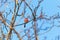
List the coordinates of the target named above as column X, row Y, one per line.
column 26, row 21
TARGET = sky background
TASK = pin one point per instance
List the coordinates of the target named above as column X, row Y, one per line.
column 50, row 8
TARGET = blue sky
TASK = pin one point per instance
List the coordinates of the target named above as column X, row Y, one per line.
column 50, row 8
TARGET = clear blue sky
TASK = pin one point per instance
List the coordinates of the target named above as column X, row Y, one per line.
column 50, row 8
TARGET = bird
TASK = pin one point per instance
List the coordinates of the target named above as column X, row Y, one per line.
column 25, row 21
